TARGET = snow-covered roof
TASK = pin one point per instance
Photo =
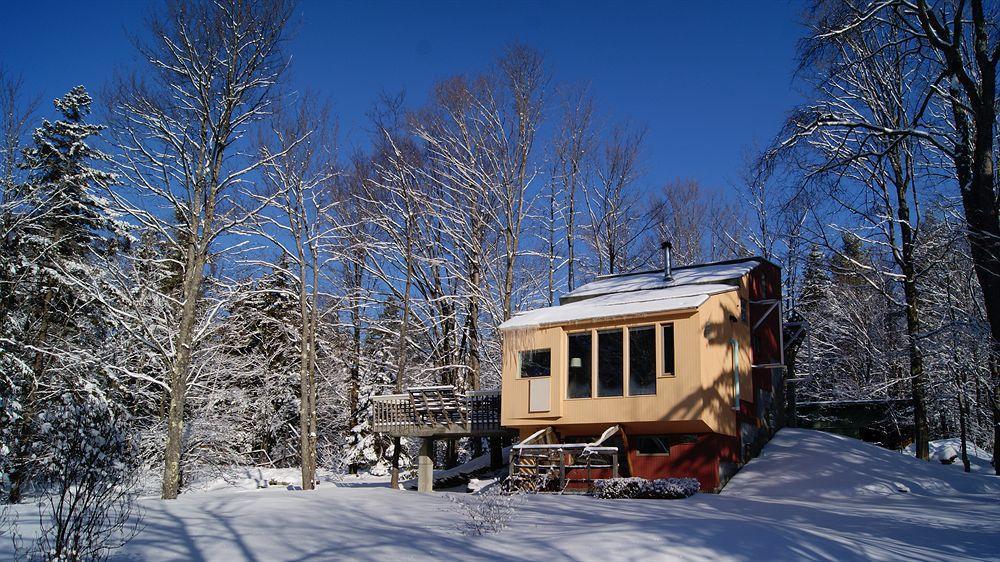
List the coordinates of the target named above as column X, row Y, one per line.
column 618, row 305
column 632, row 294
column 718, row 272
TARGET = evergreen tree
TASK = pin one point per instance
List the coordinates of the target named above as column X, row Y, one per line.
column 262, row 324
column 53, row 342
column 364, row 448
column 816, row 285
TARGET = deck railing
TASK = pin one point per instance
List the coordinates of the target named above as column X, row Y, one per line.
column 479, row 412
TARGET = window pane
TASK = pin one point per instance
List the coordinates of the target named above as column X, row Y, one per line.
column 652, row 444
column 610, row 362
column 668, row 349
column 579, row 365
column 641, row 361
column 536, row 363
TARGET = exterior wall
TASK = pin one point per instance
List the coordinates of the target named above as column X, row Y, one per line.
column 700, row 460
column 718, row 382
column 679, row 397
column 514, row 389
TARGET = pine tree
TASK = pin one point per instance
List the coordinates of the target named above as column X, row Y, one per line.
column 816, row 284
column 262, row 324
column 364, row 448
column 59, row 327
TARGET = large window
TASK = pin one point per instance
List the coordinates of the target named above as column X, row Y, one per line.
column 536, row 363
column 668, row 349
column 610, row 362
column 579, row 382
column 641, row 361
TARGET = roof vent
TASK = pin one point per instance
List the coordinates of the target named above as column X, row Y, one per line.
column 665, row 246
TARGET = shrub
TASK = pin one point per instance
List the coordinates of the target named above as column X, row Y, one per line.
column 619, row 488
column 488, row 511
column 672, row 488
column 634, row 488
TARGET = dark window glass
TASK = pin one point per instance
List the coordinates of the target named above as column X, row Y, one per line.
column 641, row 361
column 536, row 363
column 668, row 349
column 579, row 365
column 610, row 362
column 652, row 444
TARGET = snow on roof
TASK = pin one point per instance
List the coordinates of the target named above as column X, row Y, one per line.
column 693, row 274
column 616, row 305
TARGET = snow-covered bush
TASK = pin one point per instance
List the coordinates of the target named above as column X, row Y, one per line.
column 632, row 488
column 619, row 488
column 89, row 475
column 487, row 512
column 672, row 488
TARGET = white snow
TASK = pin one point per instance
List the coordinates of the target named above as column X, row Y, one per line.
column 701, row 274
column 810, row 496
column 618, row 305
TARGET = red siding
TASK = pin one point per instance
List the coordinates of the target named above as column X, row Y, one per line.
column 695, row 460
column 765, row 284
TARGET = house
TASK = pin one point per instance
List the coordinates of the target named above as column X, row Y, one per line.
column 685, row 364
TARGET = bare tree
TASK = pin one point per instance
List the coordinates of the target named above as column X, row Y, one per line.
column 524, row 79
column 874, row 178
column 960, row 42
column 212, row 67
column 614, row 208
column 298, row 221
column 694, row 219
column 572, row 147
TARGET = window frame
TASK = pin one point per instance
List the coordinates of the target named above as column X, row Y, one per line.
column 623, row 334
column 662, row 349
column 628, row 357
column 593, row 332
column 520, row 363
column 593, row 367
column 734, row 345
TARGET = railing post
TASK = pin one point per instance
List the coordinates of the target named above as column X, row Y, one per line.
column 562, row 471
column 614, row 465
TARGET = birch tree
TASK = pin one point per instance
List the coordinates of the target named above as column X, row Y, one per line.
column 616, row 217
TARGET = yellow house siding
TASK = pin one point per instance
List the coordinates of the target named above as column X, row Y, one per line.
column 718, row 331
column 698, row 397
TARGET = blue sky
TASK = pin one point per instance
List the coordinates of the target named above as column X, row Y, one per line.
column 708, row 78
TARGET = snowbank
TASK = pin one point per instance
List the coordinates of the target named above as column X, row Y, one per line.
column 801, row 463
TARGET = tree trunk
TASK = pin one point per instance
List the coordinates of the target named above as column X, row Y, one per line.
column 401, row 343
column 963, row 425
column 974, row 168
column 179, row 369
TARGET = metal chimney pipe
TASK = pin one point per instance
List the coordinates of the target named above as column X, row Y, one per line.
column 667, row 266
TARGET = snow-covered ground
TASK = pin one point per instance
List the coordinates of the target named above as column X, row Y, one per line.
column 979, row 460
column 810, row 496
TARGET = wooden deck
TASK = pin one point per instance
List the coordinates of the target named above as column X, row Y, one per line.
column 439, row 412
